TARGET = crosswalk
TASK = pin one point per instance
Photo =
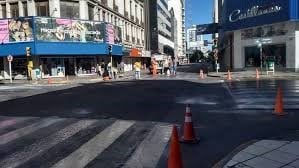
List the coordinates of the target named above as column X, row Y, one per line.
column 260, row 95
column 77, row 143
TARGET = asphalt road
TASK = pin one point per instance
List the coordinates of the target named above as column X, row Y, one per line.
column 225, row 115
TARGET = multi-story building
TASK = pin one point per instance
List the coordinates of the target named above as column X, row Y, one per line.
column 256, row 33
column 159, row 29
column 178, row 7
column 69, row 37
column 194, row 41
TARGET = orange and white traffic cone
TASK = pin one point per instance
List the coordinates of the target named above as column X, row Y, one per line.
column 189, row 134
column 229, row 76
column 201, row 74
column 279, row 103
column 257, row 74
column 174, row 156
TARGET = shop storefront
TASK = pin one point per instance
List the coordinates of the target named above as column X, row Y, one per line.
column 57, row 46
column 260, row 32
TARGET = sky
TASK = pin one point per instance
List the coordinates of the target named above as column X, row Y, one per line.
column 199, row 12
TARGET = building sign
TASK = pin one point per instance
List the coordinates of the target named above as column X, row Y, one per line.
column 207, row 28
column 251, row 13
column 4, row 37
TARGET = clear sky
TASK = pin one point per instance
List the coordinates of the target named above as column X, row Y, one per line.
column 199, row 12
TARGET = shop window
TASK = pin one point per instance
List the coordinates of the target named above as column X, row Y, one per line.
column 69, row 9
column 14, row 10
column 42, row 8
column 3, row 6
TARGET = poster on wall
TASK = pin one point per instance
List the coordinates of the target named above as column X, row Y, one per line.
column 20, row 30
column 4, row 38
column 67, row 30
column 110, row 34
column 117, row 35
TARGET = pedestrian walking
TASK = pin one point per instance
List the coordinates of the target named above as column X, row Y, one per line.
column 137, row 67
column 154, row 67
column 109, row 68
column 99, row 70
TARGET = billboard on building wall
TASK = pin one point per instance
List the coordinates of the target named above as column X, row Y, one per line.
column 16, row 30
column 67, row 30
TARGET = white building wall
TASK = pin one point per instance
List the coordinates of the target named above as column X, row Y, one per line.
column 239, row 61
column 297, row 51
column 21, row 8
column 54, row 8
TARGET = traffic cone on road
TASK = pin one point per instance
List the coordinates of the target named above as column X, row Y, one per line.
column 175, row 157
column 201, row 74
column 229, row 76
column 189, row 134
column 257, row 74
column 279, row 103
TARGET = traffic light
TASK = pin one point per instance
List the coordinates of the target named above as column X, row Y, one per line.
column 110, row 49
column 28, row 51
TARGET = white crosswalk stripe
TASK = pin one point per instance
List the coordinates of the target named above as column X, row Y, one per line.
column 262, row 96
column 146, row 153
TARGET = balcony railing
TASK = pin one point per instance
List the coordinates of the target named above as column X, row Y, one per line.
column 115, row 8
column 132, row 18
column 126, row 14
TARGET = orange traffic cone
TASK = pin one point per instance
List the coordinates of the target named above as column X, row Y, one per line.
column 257, row 74
column 279, row 103
column 189, row 134
column 229, row 76
column 175, row 158
column 201, row 74
column 49, row 80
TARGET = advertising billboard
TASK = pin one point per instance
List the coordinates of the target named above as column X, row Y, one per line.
column 67, row 30
column 16, row 30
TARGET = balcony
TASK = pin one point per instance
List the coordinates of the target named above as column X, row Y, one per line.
column 127, row 38
column 104, row 2
column 133, row 39
column 132, row 18
column 115, row 8
column 126, row 14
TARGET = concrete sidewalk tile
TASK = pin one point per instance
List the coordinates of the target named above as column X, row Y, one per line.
column 272, row 144
column 292, row 148
column 295, row 164
column 256, row 150
column 260, row 162
column 242, row 156
column 280, row 156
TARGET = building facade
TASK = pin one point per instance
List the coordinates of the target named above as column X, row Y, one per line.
column 69, row 37
column 159, row 28
column 255, row 32
column 194, row 41
column 178, row 7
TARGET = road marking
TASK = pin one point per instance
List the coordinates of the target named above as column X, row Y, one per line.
column 90, row 150
column 20, row 157
column 10, row 136
column 151, row 148
column 12, row 121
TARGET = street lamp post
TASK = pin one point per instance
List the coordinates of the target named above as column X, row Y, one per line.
column 260, row 43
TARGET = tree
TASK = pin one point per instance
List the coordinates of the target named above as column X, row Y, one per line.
column 196, row 56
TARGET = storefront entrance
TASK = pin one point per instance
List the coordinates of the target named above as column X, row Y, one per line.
column 53, row 67
column 276, row 53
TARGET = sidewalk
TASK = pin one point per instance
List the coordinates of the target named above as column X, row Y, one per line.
column 250, row 74
column 73, row 79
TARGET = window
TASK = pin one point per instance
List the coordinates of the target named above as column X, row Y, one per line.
column 69, row 9
column 135, row 10
column 131, row 7
column 42, row 8
column 3, row 10
column 141, row 15
column 25, row 9
column 115, row 20
column 14, row 10
column 91, row 13
column 104, row 16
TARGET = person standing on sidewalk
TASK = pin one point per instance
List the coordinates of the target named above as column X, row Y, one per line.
column 137, row 67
